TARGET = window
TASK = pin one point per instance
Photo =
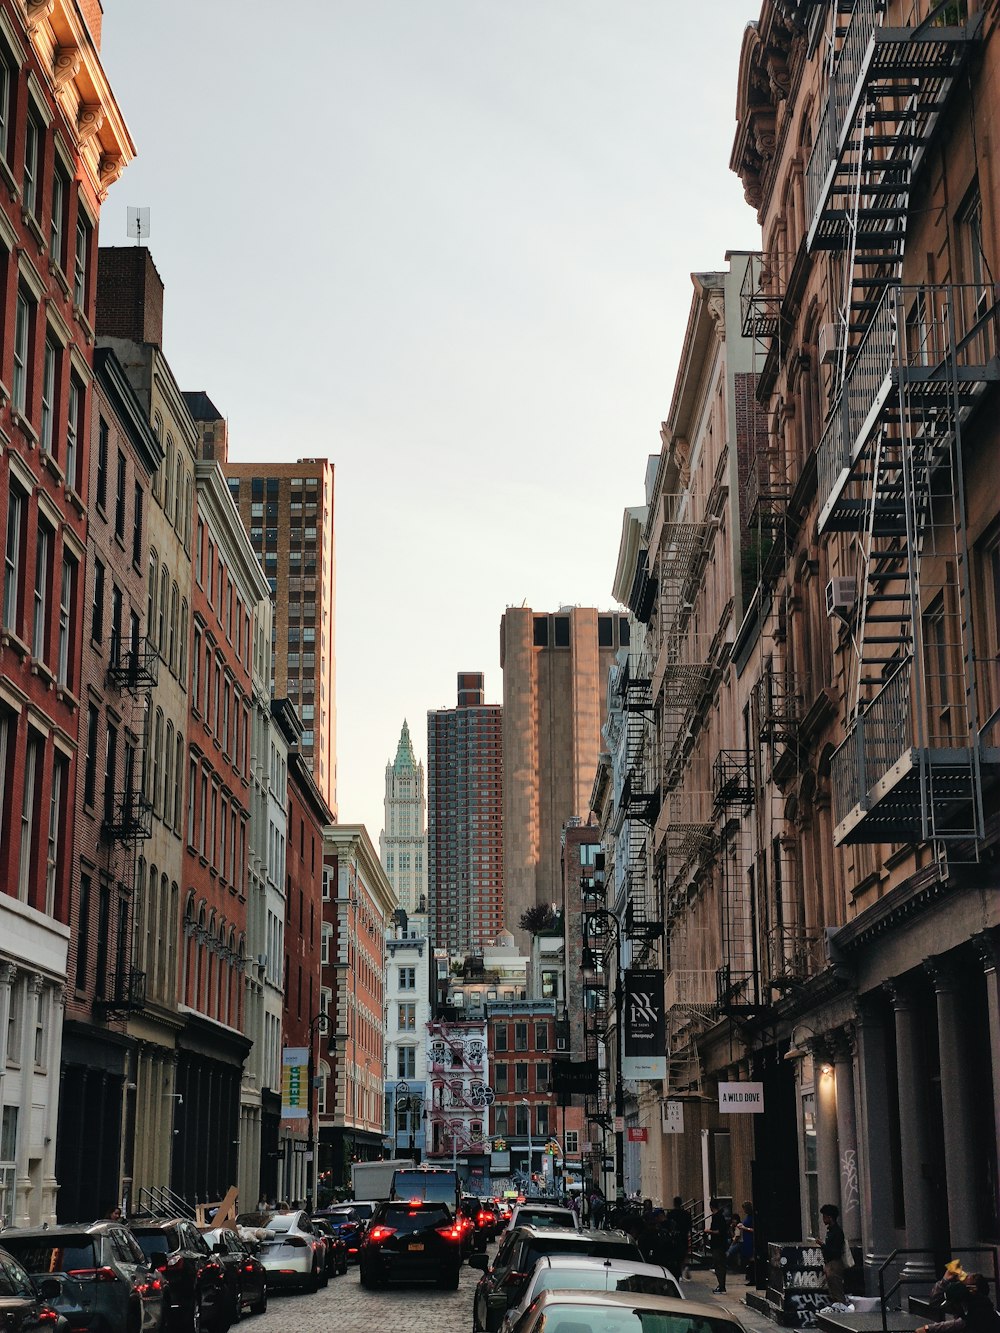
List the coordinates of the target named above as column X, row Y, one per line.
column 16, row 507
column 541, row 1036
column 32, row 162
column 520, row 1036
column 80, row 262
column 97, row 606
column 541, row 1120
column 90, row 762
column 48, row 395
column 571, row 1143
column 33, row 761
column 120, row 498
column 52, row 856
column 73, row 432
column 407, row 978
column 22, row 334
column 407, row 1017
column 43, row 552
column 137, row 526
column 520, row 1078
column 542, row 1076
column 102, row 465
column 57, row 223
column 521, row 1121
column 65, row 621
column 324, row 945
column 116, row 624
column 7, row 76
column 500, row 1078
column 406, row 1062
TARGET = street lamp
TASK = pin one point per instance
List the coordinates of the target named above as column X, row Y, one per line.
column 598, row 925
column 531, row 1147
column 321, row 1025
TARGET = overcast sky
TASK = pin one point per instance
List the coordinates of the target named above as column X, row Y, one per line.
column 446, row 244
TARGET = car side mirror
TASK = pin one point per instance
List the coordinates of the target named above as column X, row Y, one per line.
column 158, row 1259
column 479, row 1261
column 48, row 1289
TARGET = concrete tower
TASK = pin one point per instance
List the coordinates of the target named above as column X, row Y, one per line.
column 403, row 842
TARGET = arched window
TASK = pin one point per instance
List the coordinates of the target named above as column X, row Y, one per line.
column 168, row 937
column 190, row 947
column 162, row 610
column 180, row 490
column 179, row 781
column 168, row 774
column 232, row 1007
column 158, row 432
column 151, row 582
column 168, row 478
column 183, row 648
column 157, row 759
column 172, row 639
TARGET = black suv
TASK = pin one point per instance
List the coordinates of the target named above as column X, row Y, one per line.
column 503, row 1282
column 412, row 1240
column 246, row 1279
column 96, row 1276
column 22, row 1309
column 196, row 1282
column 483, row 1219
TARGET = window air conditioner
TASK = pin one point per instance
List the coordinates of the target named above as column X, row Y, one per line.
column 829, row 343
column 840, row 597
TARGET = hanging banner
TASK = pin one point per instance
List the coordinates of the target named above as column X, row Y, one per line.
column 295, row 1083
column 741, row 1098
column 672, row 1117
column 638, row 1134
column 644, row 1056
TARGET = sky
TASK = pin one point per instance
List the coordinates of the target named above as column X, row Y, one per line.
column 446, row 244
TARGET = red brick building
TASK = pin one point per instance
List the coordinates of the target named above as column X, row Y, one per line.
column 118, row 670
column 62, row 144
column 305, row 999
column 227, row 585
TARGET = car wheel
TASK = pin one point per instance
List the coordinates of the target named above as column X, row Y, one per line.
column 260, row 1307
column 449, row 1281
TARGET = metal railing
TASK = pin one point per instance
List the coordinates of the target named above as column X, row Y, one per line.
column 161, row 1201
column 936, row 1258
column 876, row 739
column 693, row 988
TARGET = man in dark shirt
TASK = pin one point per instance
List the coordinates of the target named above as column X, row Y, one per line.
column 833, row 1252
column 717, row 1237
column 678, row 1226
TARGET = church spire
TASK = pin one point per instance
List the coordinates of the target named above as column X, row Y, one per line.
column 405, row 760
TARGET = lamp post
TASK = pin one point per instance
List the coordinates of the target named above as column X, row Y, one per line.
column 598, row 925
column 321, row 1025
column 531, row 1147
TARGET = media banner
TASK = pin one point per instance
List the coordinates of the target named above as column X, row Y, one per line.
column 295, row 1083
column 645, row 1052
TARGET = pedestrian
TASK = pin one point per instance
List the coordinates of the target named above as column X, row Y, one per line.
column 597, row 1208
column 717, row 1239
column 833, row 1253
column 678, row 1226
column 115, row 1214
column 742, row 1248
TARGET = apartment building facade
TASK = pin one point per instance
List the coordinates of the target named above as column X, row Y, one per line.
column 465, row 875
column 288, row 510
column 63, row 142
column 408, row 1011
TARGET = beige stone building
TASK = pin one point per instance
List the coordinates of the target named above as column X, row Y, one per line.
column 555, row 668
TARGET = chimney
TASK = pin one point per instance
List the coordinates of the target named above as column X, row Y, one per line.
column 129, row 295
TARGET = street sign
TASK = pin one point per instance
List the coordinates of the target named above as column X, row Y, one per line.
column 638, row 1134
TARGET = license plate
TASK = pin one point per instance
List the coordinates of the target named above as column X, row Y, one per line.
column 416, row 1245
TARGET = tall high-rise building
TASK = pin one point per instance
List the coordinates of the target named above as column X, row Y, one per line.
column 465, row 819
column 555, row 671
column 288, row 510
column 403, row 843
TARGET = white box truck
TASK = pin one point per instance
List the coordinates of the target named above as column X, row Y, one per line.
column 373, row 1180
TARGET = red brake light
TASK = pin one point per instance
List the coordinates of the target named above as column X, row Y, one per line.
column 378, row 1234
column 513, row 1279
column 485, row 1217
column 452, row 1232
column 46, row 1315
column 94, row 1274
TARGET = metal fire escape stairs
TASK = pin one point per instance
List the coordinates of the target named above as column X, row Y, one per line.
column 913, row 364
column 639, row 804
column 128, row 821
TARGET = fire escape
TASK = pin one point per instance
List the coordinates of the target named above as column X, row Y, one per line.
column 915, row 363
column 128, row 815
column 458, row 1108
column 639, row 803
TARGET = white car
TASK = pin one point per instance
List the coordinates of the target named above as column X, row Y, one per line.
column 573, row 1272
column 293, row 1252
column 542, row 1215
column 622, row 1312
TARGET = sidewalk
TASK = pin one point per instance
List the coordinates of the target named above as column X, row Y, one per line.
column 700, row 1288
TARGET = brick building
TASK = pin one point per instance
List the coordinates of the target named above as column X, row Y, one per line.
column 288, row 510
column 522, row 1045
column 113, row 818
column 465, row 820
column 62, row 144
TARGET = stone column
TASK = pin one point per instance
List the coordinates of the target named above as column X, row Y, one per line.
column 53, row 1086
column 987, row 944
column 8, row 976
column 913, row 1132
column 827, row 1165
column 847, row 1136
column 25, row 1210
column 956, row 1109
column 877, row 1220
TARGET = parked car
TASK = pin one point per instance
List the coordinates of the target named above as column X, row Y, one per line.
column 621, row 1312
column 348, row 1223
column 293, row 1251
column 503, row 1282
column 572, row 1272
column 483, row 1219
column 94, row 1276
column 196, row 1284
column 534, row 1214
column 412, row 1239
column 336, row 1247
column 246, row 1278
column 22, row 1306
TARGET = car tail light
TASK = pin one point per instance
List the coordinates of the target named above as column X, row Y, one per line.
column 484, row 1218
column 514, row 1279
column 248, row 1268
column 94, row 1274
column 378, row 1234
column 453, row 1232
column 46, row 1315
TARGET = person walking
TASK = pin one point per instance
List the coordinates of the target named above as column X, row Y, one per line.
column 833, row 1253
column 717, row 1238
column 679, row 1226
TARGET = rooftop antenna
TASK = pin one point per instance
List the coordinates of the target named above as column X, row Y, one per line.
column 138, row 223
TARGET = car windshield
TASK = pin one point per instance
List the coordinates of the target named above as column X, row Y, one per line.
column 281, row 1222
column 620, row 1319
column 155, row 1242
column 59, row 1255
column 439, row 1186
column 545, row 1217
column 604, row 1279
column 404, row 1217
column 364, row 1210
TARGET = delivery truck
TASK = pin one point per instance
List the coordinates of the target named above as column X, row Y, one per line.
column 373, row 1180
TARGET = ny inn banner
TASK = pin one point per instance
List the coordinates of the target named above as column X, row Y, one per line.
column 644, row 1055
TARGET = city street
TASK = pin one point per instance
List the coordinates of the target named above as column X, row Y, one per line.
column 345, row 1307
